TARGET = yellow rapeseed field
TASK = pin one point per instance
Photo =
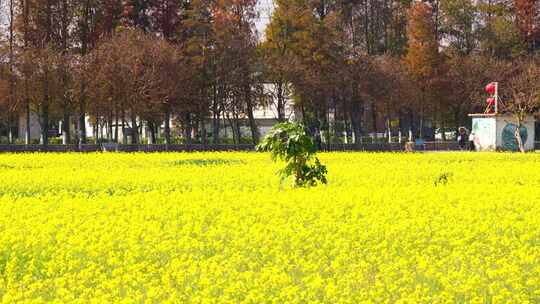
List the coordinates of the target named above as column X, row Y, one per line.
column 219, row 228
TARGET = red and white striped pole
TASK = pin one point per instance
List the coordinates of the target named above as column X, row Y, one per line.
column 493, row 101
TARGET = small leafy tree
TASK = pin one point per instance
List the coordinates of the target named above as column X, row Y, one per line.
column 290, row 143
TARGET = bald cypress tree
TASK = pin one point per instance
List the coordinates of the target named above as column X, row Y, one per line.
column 422, row 58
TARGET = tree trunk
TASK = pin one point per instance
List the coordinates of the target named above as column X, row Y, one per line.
column 64, row 30
column 25, row 11
column 251, row 119
column 412, row 125
column 110, row 127
column 10, row 128
column 27, row 134
column 328, row 129
column 95, row 130
column 389, row 129
column 45, row 111
column 187, row 129
column 124, row 137
column 374, row 118
column 203, row 131
column 236, row 129
column 517, row 134
column 215, row 122
column 280, row 102
column 336, row 130
column 134, row 130
column 233, row 131
column 46, row 89
column 152, row 133
column 116, row 124
column 167, row 130
column 85, row 37
column 421, row 134
column 356, row 121
column 11, row 104
column 140, row 135
column 66, row 138
column 82, row 121
column 45, row 122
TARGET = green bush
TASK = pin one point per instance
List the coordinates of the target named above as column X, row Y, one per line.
column 55, row 140
column 290, row 143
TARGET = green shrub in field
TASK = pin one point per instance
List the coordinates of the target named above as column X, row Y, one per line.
column 290, row 143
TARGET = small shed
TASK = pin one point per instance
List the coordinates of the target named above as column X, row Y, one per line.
column 496, row 132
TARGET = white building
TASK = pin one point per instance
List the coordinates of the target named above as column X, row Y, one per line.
column 265, row 117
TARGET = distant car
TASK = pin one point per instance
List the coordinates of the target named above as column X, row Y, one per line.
column 449, row 133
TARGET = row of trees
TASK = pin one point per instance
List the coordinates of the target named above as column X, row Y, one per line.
column 416, row 61
column 124, row 64
column 346, row 65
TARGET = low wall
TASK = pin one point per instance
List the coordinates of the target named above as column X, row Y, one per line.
column 368, row 147
column 49, row 148
column 122, row 148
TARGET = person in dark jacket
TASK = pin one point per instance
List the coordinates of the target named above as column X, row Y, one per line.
column 462, row 138
column 472, row 146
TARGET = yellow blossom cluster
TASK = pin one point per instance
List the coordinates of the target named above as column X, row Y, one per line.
column 220, row 228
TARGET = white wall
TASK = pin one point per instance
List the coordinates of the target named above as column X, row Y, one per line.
column 484, row 130
column 35, row 127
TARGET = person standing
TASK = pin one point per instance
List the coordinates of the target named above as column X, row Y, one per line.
column 462, row 138
column 471, row 142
